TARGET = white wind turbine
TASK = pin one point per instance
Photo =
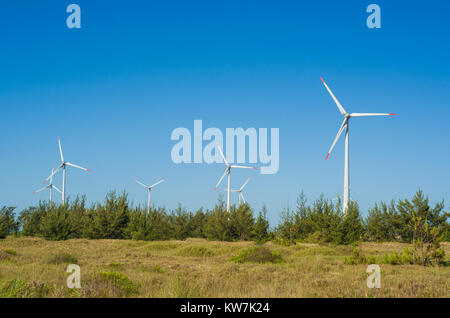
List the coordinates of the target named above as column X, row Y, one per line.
column 63, row 166
column 51, row 186
column 149, row 189
column 345, row 125
column 228, row 172
column 241, row 195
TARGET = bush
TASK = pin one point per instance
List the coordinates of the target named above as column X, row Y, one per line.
column 21, row 289
column 62, row 258
column 116, row 284
column 426, row 248
column 357, row 256
column 195, row 251
column 258, row 254
column 116, row 265
column 157, row 269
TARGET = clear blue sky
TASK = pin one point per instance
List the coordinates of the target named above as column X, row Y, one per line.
column 116, row 89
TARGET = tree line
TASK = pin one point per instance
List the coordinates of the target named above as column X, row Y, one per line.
column 321, row 221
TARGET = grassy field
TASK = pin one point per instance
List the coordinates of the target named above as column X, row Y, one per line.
column 33, row 267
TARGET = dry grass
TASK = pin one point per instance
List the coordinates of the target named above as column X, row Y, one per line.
column 199, row 268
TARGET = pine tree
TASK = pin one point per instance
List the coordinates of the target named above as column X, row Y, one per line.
column 351, row 227
column 242, row 222
column 8, row 223
column 261, row 228
column 419, row 206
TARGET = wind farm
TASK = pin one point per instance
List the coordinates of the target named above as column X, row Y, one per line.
column 230, row 234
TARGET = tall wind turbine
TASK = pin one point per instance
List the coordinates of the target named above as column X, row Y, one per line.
column 149, row 189
column 345, row 125
column 228, row 172
column 51, row 186
column 241, row 195
column 63, row 166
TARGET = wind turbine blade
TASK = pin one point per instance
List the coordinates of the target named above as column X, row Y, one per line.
column 75, row 166
column 42, row 189
column 220, row 180
column 162, row 180
column 369, row 114
column 56, row 189
column 221, row 154
column 245, row 183
column 60, row 150
column 138, row 182
column 53, row 173
column 337, row 137
column 341, row 109
column 242, row 196
column 243, row 167
column 51, row 178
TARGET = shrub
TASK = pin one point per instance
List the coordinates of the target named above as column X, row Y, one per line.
column 116, row 284
column 21, row 289
column 62, row 258
column 259, row 254
column 116, row 265
column 157, row 269
column 6, row 254
column 195, row 251
column 426, row 247
column 10, row 252
column 357, row 256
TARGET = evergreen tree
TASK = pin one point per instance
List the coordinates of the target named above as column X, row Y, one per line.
column 180, row 223
column 30, row 219
column 261, row 228
column 55, row 223
column 218, row 224
column 352, row 225
column 197, row 224
column 242, row 223
column 8, row 223
column 109, row 220
column 419, row 206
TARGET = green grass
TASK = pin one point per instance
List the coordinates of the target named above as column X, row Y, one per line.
column 201, row 268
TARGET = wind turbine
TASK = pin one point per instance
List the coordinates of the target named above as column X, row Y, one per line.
column 228, row 172
column 241, row 195
column 345, row 125
column 63, row 166
column 149, row 189
column 51, row 186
